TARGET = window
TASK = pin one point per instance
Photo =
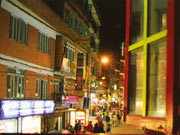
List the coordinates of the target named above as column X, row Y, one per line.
column 71, row 21
column 44, row 43
column 58, row 90
column 18, row 30
column 15, row 83
column 157, row 78
column 74, row 23
column 157, row 16
column 147, row 58
column 135, row 81
column 67, row 17
column 69, row 52
column 41, row 89
column 137, row 20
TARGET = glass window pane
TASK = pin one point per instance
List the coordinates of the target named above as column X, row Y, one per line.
column 157, row 13
column 9, row 88
column 157, row 78
column 135, row 81
column 136, row 21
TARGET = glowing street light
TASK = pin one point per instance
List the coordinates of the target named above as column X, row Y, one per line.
column 101, row 83
column 104, row 60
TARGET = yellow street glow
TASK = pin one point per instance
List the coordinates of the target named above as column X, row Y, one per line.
column 104, row 60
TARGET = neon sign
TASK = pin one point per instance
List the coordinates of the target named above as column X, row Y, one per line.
column 71, row 100
column 20, row 108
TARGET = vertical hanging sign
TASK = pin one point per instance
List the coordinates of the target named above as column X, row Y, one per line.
column 86, row 103
column 79, row 79
column 80, row 60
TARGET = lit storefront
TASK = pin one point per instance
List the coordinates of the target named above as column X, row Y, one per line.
column 98, row 103
column 151, row 69
column 23, row 116
column 30, row 124
column 76, row 116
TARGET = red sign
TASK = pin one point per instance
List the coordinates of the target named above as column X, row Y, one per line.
column 79, row 79
column 83, row 39
column 71, row 100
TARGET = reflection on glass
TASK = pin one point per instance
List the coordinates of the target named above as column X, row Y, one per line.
column 157, row 16
column 136, row 21
column 135, row 81
column 157, row 79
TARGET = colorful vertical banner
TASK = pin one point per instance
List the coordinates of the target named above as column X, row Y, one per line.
column 79, row 79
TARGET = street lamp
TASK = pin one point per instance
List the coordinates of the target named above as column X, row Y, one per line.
column 104, row 60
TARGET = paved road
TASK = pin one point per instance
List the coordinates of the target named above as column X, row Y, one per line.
column 127, row 129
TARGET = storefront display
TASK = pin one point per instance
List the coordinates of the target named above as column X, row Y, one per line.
column 31, row 124
column 8, row 126
column 76, row 116
column 80, row 116
column 72, row 118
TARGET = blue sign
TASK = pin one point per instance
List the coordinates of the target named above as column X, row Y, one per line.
column 86, row 103
column 21, row 108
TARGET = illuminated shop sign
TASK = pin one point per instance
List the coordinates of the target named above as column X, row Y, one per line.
column 79, row 79
column 20, row 108
column 71, row 100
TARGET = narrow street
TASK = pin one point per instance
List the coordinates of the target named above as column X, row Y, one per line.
column 124, row 129
column 127, row 129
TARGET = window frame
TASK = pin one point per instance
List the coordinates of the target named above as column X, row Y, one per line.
column 13, row 88
column 41, row 88
column 145, row 42
column 44, row 44
column 18, row 30
column 69, row 52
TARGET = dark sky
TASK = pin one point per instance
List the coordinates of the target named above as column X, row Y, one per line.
column 112, row 31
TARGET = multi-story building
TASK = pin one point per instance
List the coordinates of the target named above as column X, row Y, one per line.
column 46, row 55
column 152, row 65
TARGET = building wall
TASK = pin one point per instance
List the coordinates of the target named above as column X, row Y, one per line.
column 58, row 52
column 30, row 85
column 48, row 15
column 3, row 78
column 29, row 52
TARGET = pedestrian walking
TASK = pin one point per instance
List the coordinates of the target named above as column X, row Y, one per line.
column 89, row 127
column 119, row 117
column 77, row 127
column 108, row 130
column 96, row 128
column 101, row 127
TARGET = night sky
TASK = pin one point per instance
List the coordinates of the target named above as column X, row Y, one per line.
column 112, row 30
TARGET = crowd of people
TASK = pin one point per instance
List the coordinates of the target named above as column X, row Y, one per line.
column 98, row 127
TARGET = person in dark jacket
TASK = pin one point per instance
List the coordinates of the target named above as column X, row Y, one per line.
column 108, row 130
column 96, row 128
column 77, row 127
column 101, row 127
